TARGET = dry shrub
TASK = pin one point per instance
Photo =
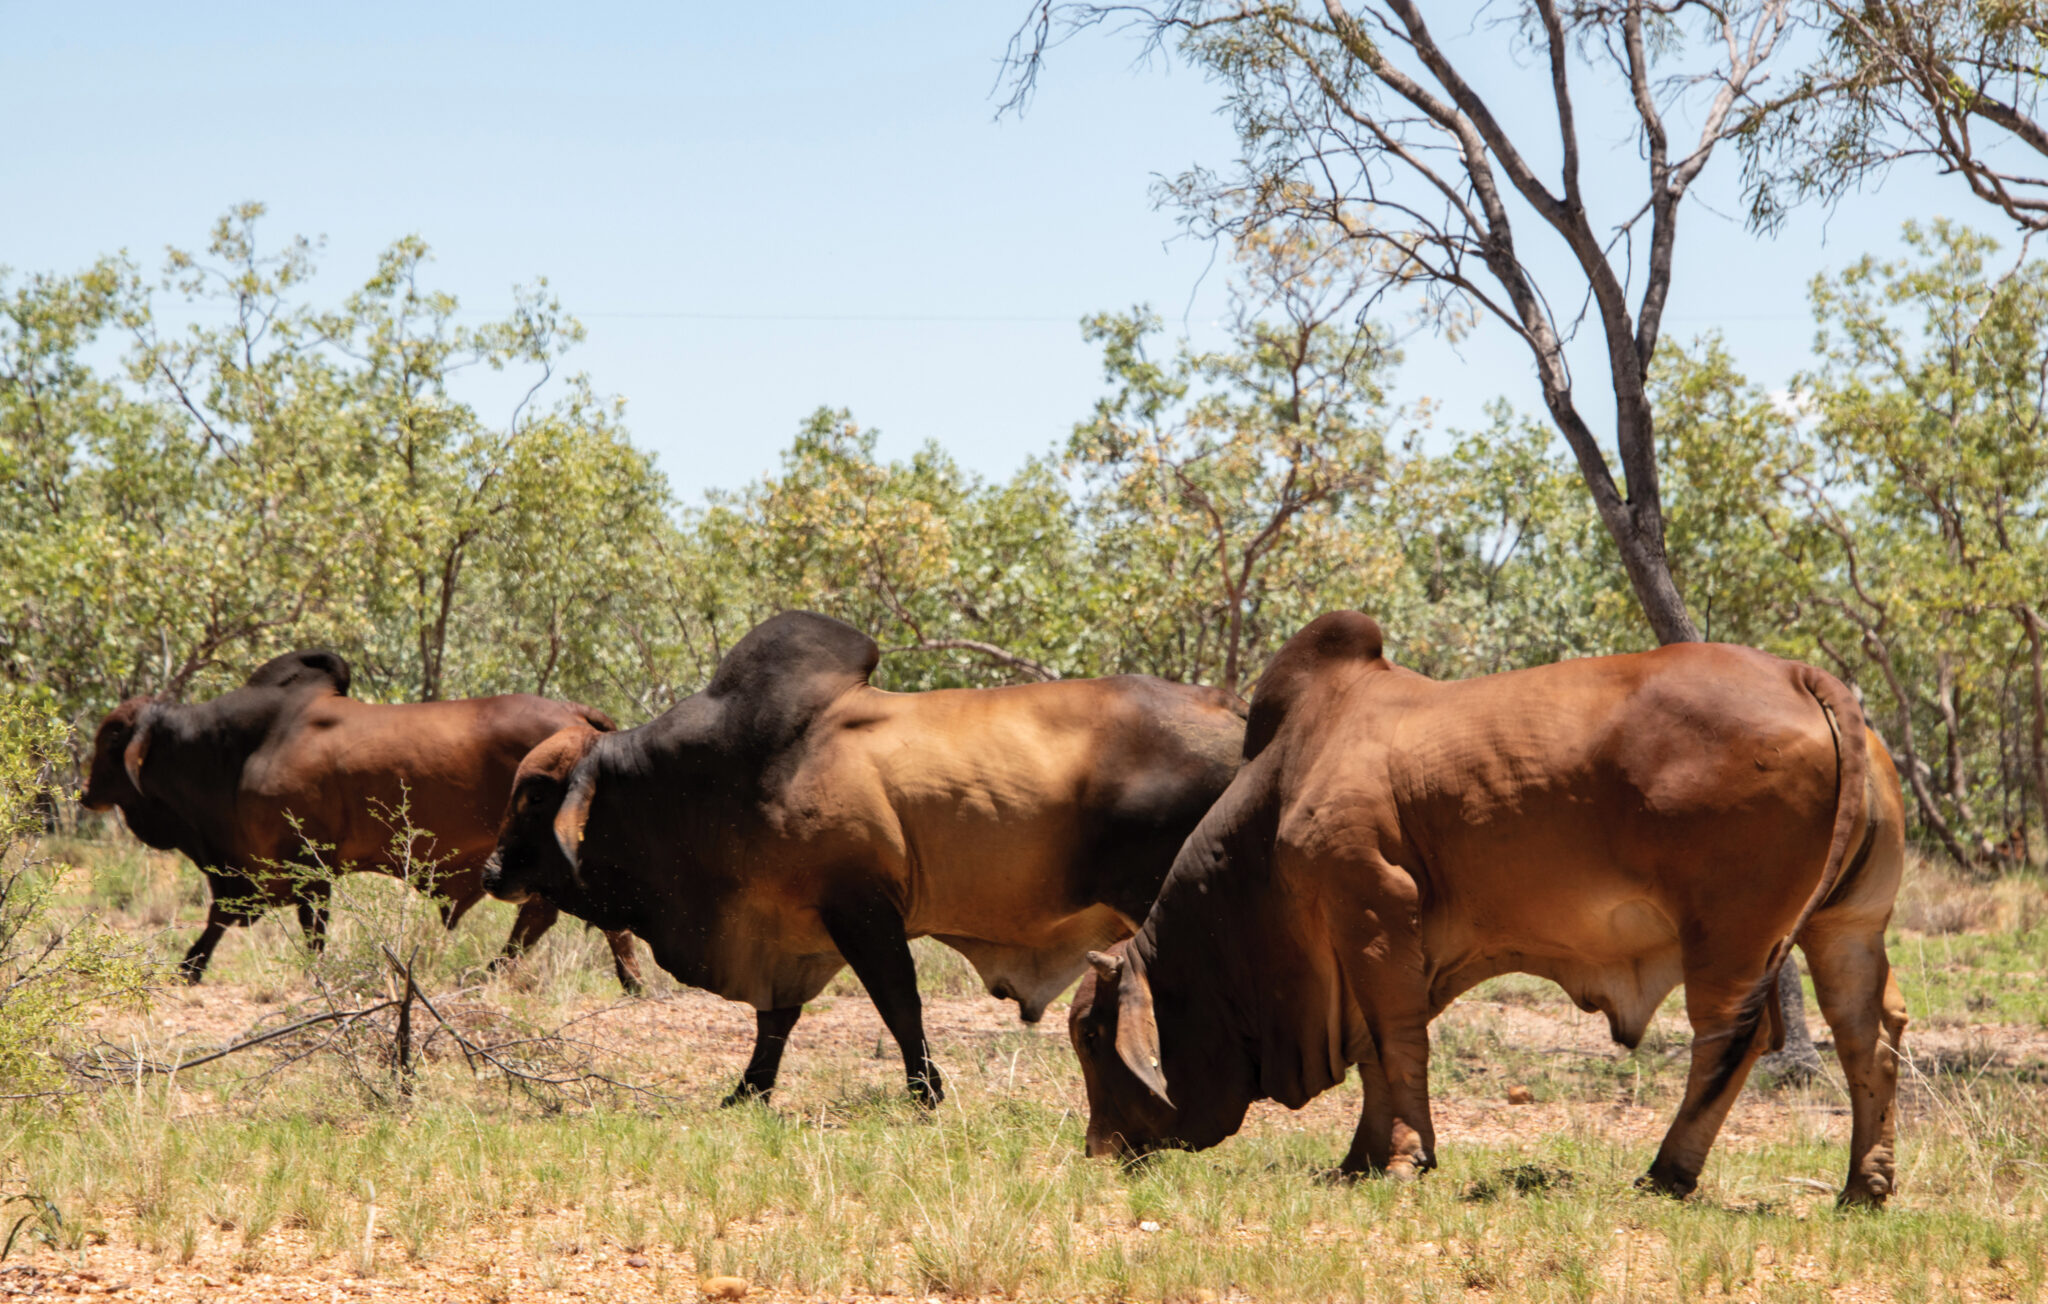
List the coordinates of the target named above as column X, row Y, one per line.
column 1934, row 900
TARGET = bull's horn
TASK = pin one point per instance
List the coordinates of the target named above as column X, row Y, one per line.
column 1107, row 967
column 573, row 815
column 137, row 752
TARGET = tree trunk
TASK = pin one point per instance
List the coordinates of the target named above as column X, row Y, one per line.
column 1649, row 574
column 2031, row 621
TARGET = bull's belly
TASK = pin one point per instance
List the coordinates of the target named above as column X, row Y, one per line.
column 1619, row 958
column 1033, row 966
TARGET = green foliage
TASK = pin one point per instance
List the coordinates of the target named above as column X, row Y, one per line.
column 288, row 474
column 54, row 969
column 1925, row 490
column 1218, row 482
column 282, row 475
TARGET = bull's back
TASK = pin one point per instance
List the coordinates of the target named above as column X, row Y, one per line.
column 356, row 774
column 1594, row 805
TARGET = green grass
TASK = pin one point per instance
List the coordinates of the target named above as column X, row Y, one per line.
column 844, row 1188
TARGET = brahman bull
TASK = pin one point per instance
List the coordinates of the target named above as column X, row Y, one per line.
column 223, row 781
column 791, row 819
column 1618, row 825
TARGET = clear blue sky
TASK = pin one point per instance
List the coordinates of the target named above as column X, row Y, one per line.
column 755, row 209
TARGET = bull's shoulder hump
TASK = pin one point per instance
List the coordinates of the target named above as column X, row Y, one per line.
column 788, row 669
column 794, row 643
column 309, row 667
column 1337, row 645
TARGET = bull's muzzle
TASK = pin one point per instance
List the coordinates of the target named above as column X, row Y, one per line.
column 494, row 881
column 1110, row 1144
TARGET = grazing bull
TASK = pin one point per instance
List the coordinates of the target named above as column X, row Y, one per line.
column 222, row 782
column 790, row 819
column 1618, row 825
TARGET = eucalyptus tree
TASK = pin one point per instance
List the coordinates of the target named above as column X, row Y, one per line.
column 964, row 582
column 1216, row 482
column 1951, row 83
column 1366, row 119
column 1927, row 493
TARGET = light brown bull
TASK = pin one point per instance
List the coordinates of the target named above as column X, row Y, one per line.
column 1618, row 825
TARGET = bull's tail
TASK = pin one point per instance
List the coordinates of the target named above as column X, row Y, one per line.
column 1852, row 775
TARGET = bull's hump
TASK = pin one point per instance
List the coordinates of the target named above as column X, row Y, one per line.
column 795, row 642
column 1325, row 646
column 1342, row 636
column 316, row 667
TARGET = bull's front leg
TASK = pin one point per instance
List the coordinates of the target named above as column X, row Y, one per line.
column 200, row 954
column 233, row 903
column 868, row 930
column 625, row 962
column 1396, row 1135
column 535, row 918
column 313, row 913
column 771, row 1036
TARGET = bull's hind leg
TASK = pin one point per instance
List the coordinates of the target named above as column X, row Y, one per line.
column 771, row 1037
column 1721, row 1060
column 1852, row 976
column 868, row 930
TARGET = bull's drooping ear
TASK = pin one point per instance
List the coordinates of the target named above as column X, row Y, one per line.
column 138, row 751
column 1137, row 1029
column 1108, row 968
column 574, row 814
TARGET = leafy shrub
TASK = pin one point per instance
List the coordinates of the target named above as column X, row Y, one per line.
column 55, row 968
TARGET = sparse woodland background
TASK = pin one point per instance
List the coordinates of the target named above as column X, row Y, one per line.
column 180, row 504
column 209, row 460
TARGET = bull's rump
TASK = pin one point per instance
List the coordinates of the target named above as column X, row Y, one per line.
column 1582, row 821
column 1005, row 799
column 995, row 815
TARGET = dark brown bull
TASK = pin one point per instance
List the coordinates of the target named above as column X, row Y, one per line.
column 222, row 781
column 790, row 820
column 1618, row 825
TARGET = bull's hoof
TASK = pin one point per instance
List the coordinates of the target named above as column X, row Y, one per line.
column 1864, row 1193
column 1401, row 1168
column 928, row 1090
column 1661, row 1180
column 632, row 986
column 746, row 1093
column 192, row 974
